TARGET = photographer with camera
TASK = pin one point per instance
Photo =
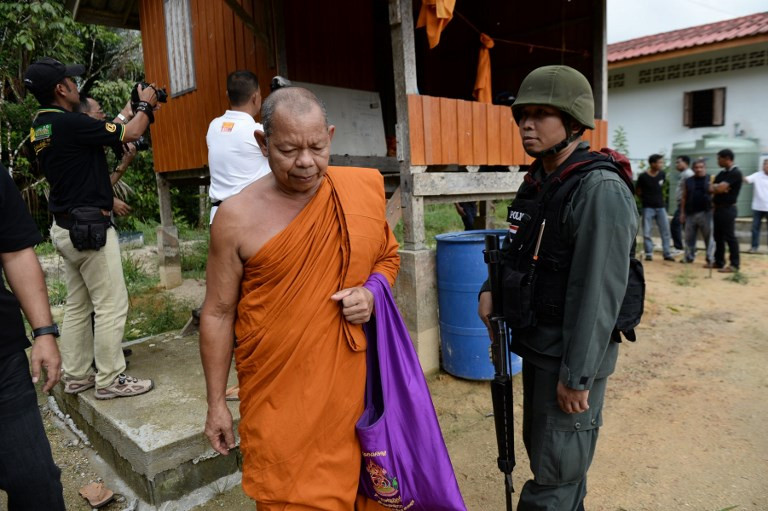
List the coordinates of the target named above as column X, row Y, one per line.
column 70, row 149
column 90, row 107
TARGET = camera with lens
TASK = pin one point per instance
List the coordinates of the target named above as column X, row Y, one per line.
column 162, row 95
column 141, row 144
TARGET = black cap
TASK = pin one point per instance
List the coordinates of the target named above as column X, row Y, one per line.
column 43, row 75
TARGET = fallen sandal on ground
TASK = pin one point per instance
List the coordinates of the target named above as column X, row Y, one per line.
column 232, row 393
column 96, row 494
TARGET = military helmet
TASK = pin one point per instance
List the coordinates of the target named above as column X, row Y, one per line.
column 560, row 87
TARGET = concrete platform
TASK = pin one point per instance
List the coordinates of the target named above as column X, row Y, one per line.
column 155, row 442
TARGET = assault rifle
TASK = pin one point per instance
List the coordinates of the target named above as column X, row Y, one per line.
column 501, row 385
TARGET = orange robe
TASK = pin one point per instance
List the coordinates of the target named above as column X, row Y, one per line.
column 301, row 366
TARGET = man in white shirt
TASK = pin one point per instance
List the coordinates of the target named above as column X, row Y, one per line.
column 234, row 157
column 759, row 203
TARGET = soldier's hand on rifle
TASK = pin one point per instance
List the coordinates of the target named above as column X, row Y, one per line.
column 485, row 309
column 572, row 400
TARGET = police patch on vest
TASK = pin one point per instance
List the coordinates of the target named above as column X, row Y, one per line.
column 516, row 220
column 110, row 127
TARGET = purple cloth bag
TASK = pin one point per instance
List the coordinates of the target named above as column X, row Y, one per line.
column 405, row 465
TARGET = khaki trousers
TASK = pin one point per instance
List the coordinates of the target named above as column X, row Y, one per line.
column 95, row 283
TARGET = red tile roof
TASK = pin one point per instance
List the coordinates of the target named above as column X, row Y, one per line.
column 737, row 28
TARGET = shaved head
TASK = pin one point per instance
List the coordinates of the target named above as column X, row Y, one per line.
column 293, row 101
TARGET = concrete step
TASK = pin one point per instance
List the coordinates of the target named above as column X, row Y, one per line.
column 155, row 441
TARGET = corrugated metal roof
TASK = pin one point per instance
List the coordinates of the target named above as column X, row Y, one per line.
column 701, row 35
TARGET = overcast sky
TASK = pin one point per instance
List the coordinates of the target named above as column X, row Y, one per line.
column 628, row 19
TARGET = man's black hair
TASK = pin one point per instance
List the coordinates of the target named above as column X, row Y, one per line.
column 725, row 153
column 84, row 106
column 686, row 159
column 654, row 158
column 240, row 86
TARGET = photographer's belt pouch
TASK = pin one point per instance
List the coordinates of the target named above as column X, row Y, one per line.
column 518, row 298
column 89, row 228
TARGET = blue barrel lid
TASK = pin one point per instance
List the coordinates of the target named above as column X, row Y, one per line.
column 468, row 236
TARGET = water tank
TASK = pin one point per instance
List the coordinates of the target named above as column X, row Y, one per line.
column 746, row 156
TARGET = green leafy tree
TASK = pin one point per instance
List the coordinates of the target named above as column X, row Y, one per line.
column 619, row 142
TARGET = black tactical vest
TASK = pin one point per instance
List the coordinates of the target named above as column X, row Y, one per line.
column 535, row 282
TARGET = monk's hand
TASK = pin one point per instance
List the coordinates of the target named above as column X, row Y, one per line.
column 356, row 304
column 572, row 400
column 218, row 428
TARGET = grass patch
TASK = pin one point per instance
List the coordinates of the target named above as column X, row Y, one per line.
column 686, row 278
column 154, row 312
column 57, row 292
column 194, row 258
column 137, row 279
column 738, row 277
column 442, row 218
column 45, row 248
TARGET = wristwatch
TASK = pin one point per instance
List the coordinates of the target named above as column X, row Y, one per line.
column 45, row 330
column 122, row 117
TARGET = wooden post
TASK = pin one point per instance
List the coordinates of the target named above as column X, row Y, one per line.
column 167, row 238
column 600, row 61
column 404, row 59
column 416, row 287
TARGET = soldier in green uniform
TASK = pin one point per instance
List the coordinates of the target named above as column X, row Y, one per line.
column 577, row 207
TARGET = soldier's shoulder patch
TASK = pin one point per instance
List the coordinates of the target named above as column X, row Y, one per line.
column 110, row 127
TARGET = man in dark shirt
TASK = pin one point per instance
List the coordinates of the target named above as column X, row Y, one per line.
column 696, row 212
column 649, row 189
column 70, row 149
column 27, row 471
column 725, row 190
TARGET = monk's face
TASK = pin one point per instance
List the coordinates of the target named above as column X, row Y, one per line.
column 298, row 149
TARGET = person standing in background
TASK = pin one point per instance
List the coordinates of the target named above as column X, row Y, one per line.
column 682, row 165
column 726, row 190
column 649, row 188
column 759, row 203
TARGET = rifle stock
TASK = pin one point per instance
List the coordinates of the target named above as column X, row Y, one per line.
column 501, row 385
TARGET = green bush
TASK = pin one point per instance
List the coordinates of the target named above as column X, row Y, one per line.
column 155, row 312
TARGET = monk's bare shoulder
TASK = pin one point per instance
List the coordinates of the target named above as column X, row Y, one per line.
column 239, row 220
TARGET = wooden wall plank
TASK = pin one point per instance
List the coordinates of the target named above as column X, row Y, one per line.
column 492, row 134
column 479, row 134
column 416, row 129
column 505, row 134
column 431, row 114
column 448, row 130
column 464, row 132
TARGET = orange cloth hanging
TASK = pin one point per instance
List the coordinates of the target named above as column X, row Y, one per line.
column 482, row 91
column 435, row 15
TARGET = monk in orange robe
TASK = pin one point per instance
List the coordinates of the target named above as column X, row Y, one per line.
column 289, row 256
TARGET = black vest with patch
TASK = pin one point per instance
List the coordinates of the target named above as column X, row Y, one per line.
column 535, row 282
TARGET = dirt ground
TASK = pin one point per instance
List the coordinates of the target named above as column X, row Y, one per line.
column 685, row 418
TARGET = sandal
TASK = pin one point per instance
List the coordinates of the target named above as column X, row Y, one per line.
column 233, row 393
column 96, row 494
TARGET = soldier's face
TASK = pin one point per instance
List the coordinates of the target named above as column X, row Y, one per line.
column 541, row 127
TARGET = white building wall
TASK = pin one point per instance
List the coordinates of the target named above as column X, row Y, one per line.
column 652, row 113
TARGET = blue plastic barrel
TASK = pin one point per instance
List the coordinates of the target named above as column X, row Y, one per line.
column 461, row 271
